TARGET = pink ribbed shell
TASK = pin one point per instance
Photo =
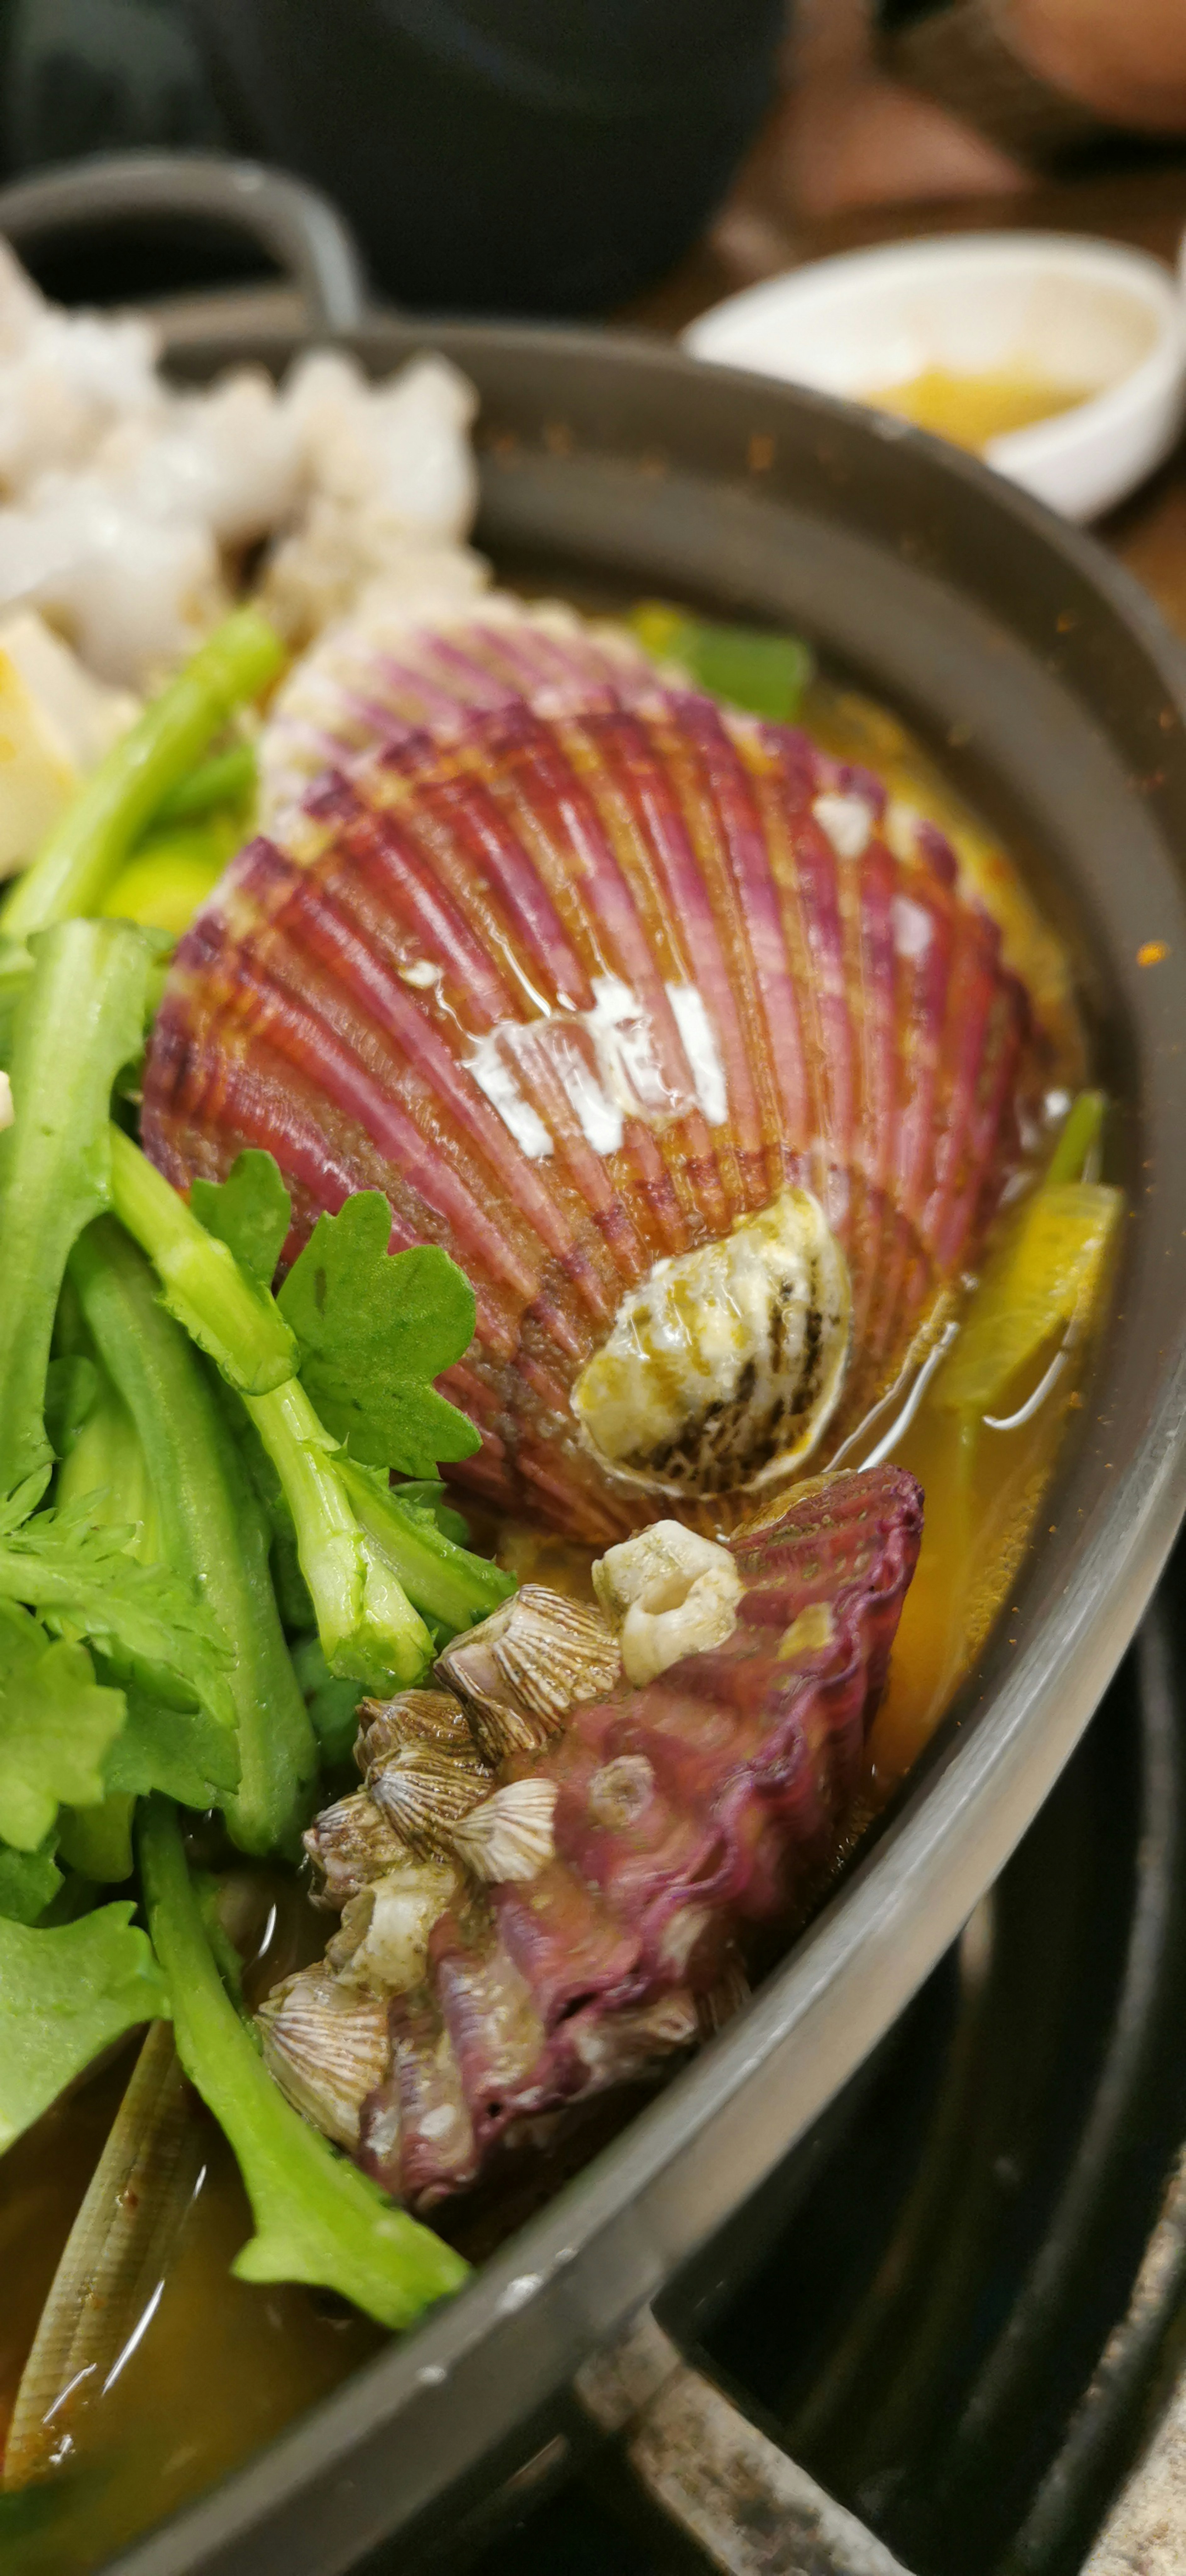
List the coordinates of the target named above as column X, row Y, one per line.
column 744, row 1765
column 570, row 964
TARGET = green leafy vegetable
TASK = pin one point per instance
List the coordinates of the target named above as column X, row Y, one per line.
column 332, row 1704
column 765, row 674
column 213, row 1530
column 81, row 1018
column 85, row 850
column 71, row 1394
column 29, row 1881
column 77, row 1571
column 251, row 1211
column 374, row 1329
column 180, row 1750
column 65, row 1993
column 317, row 2218
column 56, row 1725
column 351, row 1558
column 97, row 1841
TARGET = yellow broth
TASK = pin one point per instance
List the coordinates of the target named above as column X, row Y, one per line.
column 221, row 2366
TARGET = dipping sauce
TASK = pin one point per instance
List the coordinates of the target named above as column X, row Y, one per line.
column 970, row 410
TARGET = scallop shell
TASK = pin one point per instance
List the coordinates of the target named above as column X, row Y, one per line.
column 627, row 1001
column 662, row 1823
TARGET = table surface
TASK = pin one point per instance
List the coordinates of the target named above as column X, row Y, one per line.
column 753, row 238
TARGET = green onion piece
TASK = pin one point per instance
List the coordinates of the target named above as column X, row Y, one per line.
column 317, row 2218
column 229, row 778
column 87, row 847
column 764, row 674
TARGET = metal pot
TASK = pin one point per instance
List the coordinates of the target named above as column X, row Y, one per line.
column 1058, row 700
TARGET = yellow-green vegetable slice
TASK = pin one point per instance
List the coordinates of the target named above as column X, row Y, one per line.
column 1045, row 1276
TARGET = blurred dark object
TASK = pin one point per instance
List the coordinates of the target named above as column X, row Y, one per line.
column 492, row 155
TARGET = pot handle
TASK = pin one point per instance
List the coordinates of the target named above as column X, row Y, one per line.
column 298, row 227
column 746, row 2505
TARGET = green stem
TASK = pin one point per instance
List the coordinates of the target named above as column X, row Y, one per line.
column 443, row 1580
column 229, row 778
column 1079, row 1138
column 86, row 848
column 211, row 1525
column 222, row 1310
column 82, row 1017
column 368, row 1629
column 317, row 2218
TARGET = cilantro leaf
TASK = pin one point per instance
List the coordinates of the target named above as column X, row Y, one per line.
column 65, row 1993
column 374, row 1329
column 56, row 1725
column 76, row 1572
column 29, row 1881
column 251, row 1211
column 185, row 1752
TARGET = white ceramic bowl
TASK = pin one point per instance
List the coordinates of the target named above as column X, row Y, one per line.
column 1070, row 310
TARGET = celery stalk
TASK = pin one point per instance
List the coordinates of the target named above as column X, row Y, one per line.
column 212, row 1524
column 227, row 778
column 81, row 1018
column 317, row 2218
column 87, row 847
column 368, row 1629
column 222, row 1310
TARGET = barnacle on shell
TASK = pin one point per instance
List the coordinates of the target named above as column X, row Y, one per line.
column 593, row 1895
column 425, row 1717
column 521, row 1669
column 628, row 1002
column 327, row 2045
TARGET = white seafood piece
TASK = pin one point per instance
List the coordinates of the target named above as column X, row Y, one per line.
column 671, row 1593
column 229, row 459
column 401, row 447
column 61, row 389
column 134, row 594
